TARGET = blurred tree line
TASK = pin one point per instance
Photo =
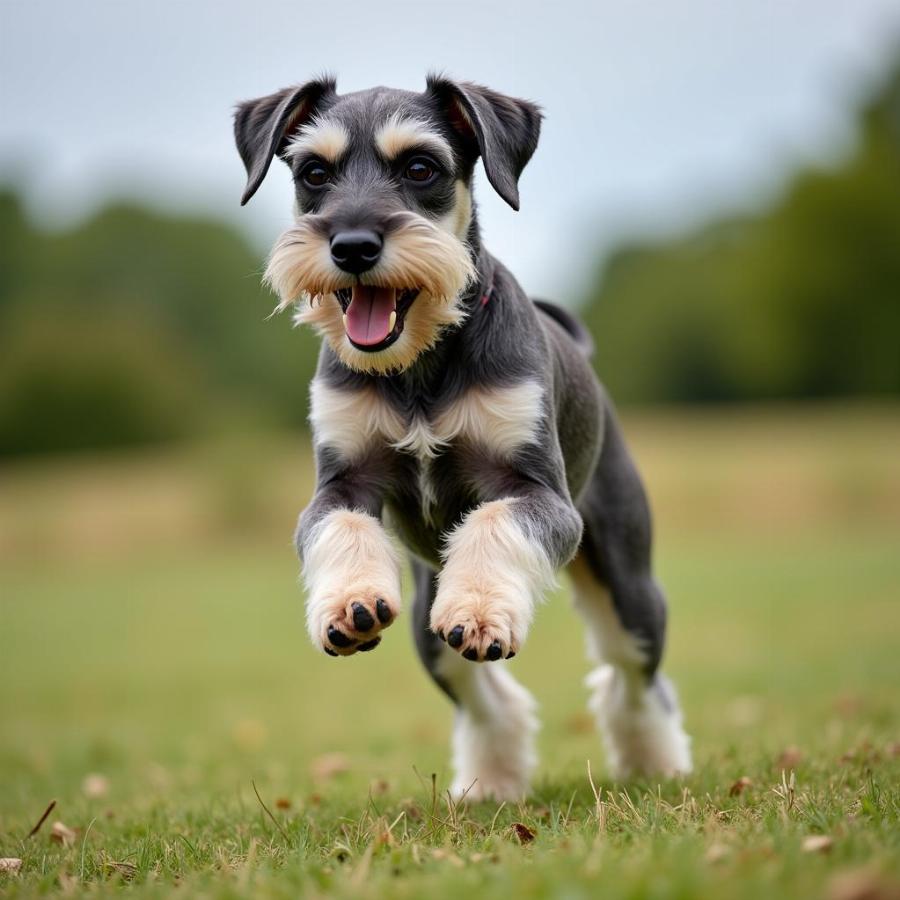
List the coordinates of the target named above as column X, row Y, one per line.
column 800, row 302
column 137, row 327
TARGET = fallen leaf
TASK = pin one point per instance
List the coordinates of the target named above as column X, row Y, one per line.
column 789, row 758
column 580, row 723
column 328, row 765
column 817, row 843
column 95, row 785
column 862, row 884
column 379, row 786
column 62, row 834
column 10, row 865
column 446, row 856
column 523, row 833
column 740, row 786
column 282, row 803
column 249, row 735
column 126, row 870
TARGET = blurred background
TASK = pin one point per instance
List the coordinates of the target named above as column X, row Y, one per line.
column 717, row 192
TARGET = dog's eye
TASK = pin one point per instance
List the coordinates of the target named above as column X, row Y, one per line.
column 420, row 170
column 314, row 175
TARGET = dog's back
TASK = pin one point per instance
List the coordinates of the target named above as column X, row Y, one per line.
column 569, row 323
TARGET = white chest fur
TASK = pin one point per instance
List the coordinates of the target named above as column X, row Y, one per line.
column 500, row 419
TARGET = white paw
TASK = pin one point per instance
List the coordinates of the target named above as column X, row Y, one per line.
column 353, row 579
column 352, row 621
column 482, row 624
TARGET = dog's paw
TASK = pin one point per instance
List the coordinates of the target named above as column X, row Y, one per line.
column 352, row 622
column 483, row 628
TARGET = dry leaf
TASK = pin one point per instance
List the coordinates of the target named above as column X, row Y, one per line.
column 523, row 833
column 62, row 834
column 862, row 884
column 282, row 803
column 328, row 765
column 789, row 758
column 716, row 853
column 446, row 856
column 580, row 723
column 95, row 785
column 817, row 843
column 10, row 865
column 126, row 870
column 249, row 735
column 740, row 786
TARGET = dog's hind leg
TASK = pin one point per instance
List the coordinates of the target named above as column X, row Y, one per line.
column 495, row 722
column 625, row 613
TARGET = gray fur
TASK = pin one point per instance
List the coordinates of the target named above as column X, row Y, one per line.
column 577, row 485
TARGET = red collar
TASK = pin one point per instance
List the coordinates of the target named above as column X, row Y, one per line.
column 488, row 291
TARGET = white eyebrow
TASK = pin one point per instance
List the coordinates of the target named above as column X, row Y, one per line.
column 399, row 134
column 322, row 138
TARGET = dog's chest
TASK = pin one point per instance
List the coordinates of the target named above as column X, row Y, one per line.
column 497, row 419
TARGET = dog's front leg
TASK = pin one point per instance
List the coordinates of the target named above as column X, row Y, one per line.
column 497, row 563
column 350, row 569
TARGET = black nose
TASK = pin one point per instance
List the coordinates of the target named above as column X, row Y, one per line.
column 356, row 251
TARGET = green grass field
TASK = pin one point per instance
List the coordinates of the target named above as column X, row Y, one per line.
column 151, row 634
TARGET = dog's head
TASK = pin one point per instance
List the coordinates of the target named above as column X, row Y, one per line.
column 380, row 257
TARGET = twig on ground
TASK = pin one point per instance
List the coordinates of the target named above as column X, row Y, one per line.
column 42, row 819
column 275, row 821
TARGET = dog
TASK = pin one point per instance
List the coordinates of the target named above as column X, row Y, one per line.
column 464, row 417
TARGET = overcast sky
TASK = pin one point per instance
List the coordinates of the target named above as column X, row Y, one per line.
column 656, row 113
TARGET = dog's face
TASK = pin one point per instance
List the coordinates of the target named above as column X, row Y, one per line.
column 379, row 258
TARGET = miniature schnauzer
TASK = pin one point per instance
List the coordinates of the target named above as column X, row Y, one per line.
column 450, row 408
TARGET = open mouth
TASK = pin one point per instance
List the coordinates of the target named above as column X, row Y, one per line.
column 374, row 316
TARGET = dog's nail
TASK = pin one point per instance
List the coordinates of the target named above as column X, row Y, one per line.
column 369, row 645
column 493, row 652
column 383, row 611
column 362, row 618
column 511, row 654
column 454, row 639
column 471, row 653
column 329, row 651
column 338, row 638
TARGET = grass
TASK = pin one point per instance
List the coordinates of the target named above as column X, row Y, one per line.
column 150, row 634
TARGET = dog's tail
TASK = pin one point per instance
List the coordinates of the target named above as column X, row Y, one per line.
column 570, row 324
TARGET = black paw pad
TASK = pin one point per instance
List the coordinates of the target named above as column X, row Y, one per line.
column 383, row 611
column 362, row 618
column 329, row 651
column 511, row 654
column 493, row 652
column 455, row 638
column 369, row 645
column 338, row 638
column 471, row 653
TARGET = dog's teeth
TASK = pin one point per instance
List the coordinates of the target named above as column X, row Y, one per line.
column 345, row 321
column 392, row 321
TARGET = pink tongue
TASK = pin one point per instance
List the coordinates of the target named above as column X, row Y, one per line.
column 369, row 314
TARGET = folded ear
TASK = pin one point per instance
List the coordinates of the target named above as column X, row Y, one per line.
column 503, row 130
column 264, row 127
